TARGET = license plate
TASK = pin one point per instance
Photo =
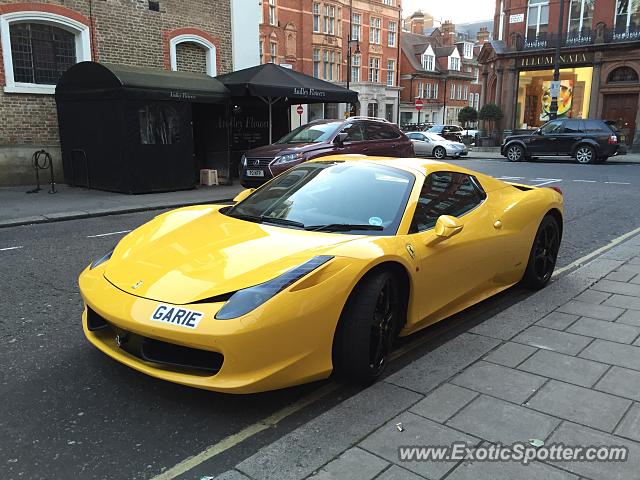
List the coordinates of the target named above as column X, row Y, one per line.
column 255, row 173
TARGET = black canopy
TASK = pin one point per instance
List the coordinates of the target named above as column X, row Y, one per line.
column 120, row 81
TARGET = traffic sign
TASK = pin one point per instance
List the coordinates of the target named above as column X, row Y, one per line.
column 419, row 104
column 299, row 110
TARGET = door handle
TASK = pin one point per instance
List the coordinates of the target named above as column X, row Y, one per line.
column 552, row 138
column 497, row 224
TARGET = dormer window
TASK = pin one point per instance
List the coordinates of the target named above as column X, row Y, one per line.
column 429, row 59
column 468, row 50
column 454, row 63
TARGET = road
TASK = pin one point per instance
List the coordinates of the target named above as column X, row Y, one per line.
column 70, row 412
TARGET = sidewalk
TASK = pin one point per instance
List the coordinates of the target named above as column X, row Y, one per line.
column 562, row 366
column 20, row 208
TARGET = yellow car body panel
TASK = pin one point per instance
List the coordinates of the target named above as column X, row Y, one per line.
column 192, row 257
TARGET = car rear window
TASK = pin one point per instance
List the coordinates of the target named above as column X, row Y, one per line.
column 380, row 131
column 595, row 126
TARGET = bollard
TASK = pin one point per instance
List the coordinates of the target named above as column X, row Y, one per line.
column 41, row 161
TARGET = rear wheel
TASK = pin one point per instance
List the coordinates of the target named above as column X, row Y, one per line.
column 585, row 154
column 515, row 153
column 368, row 327
column 439, row 153
column 544, row 254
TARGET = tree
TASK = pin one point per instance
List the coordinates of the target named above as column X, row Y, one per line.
column 492, row 113
column 466, row 115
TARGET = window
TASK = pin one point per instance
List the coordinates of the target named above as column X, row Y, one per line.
column 374, row 69
column 627, row 17
column 354, row 132
column 38, row 47
column 356, row 20
column 466, row 92
column 471, row 100
column 573, row 126
column 477, row 102
column 316, row 63
column 454, row 63
column 459, row 95
column 453, row 91
column 159, row 124
column 555, row 126
column 388, row 111
column 580, row 16
column 537, row 19
column 379, row 130
column 261, row 47
column 420, row 90
column 355, row 67
column 387, row 2
column 427, row 90
column 435, row 90
column 372, row 111
column 594, row 126
column 374, row 31
column 623, row 75
column 392, row 34
column 445, row 193
column 391, row 73
column 468, row 50
column 329, row 19
column 210, row 51
column 428, row 61
column 273, row 52
column 501, row 26
column 272, row 12
column 316, row 17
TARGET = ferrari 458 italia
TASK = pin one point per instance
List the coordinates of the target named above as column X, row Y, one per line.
column 317, row 271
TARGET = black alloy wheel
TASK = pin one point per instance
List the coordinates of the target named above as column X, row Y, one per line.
column 544, row 254
column 383, row 328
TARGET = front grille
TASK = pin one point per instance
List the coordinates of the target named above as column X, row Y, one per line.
column 262, row 161
column 168, row 355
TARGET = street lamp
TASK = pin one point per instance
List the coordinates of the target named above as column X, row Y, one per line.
column 351, row 41
column 555, row 89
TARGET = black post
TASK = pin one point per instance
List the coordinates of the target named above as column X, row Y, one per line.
column 444, row 108
column 553, row 110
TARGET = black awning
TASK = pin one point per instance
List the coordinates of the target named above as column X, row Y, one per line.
column 271, row 80
column 91, row 79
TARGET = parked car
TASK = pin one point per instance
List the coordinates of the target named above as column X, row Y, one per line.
column 431, row 144
column 416, row 127
column 450, row 132
column 588, row 141
column 356, row 135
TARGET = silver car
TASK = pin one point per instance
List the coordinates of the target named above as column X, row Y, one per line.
column 432, row 144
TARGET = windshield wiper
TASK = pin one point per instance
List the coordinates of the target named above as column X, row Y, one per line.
column 343, row 227
column 281, row 221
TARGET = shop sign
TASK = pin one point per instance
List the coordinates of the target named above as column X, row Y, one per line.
column 308, row 92
column 547, row 60
column 516, row 18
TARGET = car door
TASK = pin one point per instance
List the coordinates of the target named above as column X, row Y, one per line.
column 375, row 138
column 570, row 133
column 544, row 141
column 355, row 141
column 459, row 268
column 421, row 143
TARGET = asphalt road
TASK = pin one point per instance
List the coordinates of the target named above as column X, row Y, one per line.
column 70, row 412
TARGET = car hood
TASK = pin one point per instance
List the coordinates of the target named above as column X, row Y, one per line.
column 518, row 137
column 196, row 253
column 274, row 150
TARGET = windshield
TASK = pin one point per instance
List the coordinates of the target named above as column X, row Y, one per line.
column 436, row 128
column 359, row 197
column 434, row 137
column 311, row 133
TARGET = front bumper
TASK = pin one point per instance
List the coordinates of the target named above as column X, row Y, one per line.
column 286, row 341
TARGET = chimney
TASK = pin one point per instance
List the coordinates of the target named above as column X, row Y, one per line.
column 483, row 35
column 416, row 23
column 448, row 30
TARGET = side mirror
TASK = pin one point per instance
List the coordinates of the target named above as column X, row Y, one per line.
column 340, row 138
column 447, row 226
column 243, row 194
column 538, row 132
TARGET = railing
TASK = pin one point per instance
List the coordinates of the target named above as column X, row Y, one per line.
column 617, row 35
column 545, row 41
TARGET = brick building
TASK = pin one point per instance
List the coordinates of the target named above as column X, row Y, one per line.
column 600, row 62
column 439, row 66
column 40, row 40
column 312, row 36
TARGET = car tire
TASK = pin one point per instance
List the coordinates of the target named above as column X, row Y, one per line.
column 543, row 255
column 585, row 154
column 515, row 153
column 368, row 326
column 439, row 153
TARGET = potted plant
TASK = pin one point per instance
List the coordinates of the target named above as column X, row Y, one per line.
column 491, row 113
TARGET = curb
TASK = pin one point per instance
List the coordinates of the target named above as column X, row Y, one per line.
column 79, row 214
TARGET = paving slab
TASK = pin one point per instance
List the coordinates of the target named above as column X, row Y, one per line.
column 623, row 251
column 500, row 421
column 498, row 381
column 581, row 405
column 590, row 310
column 288, row 458
column 620, row 276
column 398, row 473
column 616, row 332
column 508, row 471
column 622, row 382
column 557, row 320
column 623, row 301
column 231, row 475
column 432, row 369
column 445, row 401
column 630, row 317
column 354, row 464
column 546, row 338
column 621, row 288
column 613, row 353
column 510, row 354
column 636, row 280
column 630, row 268
column 564, row 367
column 592, row 296
column 571, row 434
column 630, row 425
column 599, row 267
column 418, row 431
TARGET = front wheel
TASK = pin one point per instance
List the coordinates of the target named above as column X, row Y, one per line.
column 368, row 327
column 544, row 254
column 585, row 154
column 439, row 153
column 515, row 153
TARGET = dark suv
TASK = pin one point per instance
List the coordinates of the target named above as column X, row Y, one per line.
column 588, row 141
column 363, row 135
column 450, row 132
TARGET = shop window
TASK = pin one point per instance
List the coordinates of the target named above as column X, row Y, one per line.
column 623, row 75
column 537, row 20
column 159, row 124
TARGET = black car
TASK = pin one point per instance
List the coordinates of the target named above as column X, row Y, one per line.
column 450, row 132
column 588, row 141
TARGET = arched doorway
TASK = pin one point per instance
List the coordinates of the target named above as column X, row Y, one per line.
column 620, row 103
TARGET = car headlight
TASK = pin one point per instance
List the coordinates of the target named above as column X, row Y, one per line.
column 101, row 260
column 248, row 299
column 289, row 157
column 243, row 160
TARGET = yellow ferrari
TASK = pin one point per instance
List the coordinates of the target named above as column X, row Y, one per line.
column 317, row 271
